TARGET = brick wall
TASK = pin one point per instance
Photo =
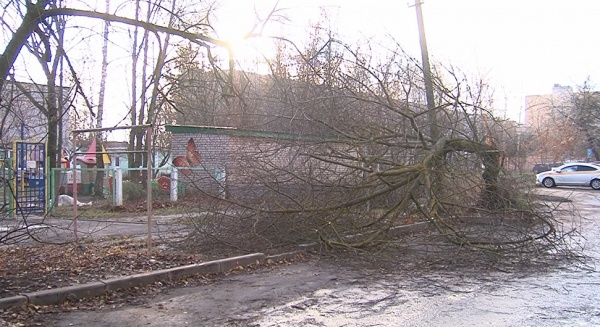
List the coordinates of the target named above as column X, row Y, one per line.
column 254, row 167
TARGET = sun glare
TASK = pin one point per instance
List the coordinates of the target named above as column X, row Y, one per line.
column 234, row 21
column 234, row 30
column 236, row 41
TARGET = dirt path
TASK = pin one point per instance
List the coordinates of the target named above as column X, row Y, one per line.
column 62, row 230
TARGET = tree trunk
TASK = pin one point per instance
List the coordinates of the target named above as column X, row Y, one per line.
column 489, row 156
column 33, row 16
column 99, row 182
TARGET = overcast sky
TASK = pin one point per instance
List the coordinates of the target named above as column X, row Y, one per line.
column 520, row 47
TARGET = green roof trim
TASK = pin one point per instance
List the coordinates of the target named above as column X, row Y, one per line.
column 231, row 131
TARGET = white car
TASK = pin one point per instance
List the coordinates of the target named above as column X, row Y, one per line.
column 571, row 174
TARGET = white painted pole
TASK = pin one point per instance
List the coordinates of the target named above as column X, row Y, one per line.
column 118, row 186
column 174, row 184
column 222, row 179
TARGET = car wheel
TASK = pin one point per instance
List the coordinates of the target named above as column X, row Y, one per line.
column 595, row 184
column 548, row 182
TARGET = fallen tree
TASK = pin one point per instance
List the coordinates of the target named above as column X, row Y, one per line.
column 354, row 161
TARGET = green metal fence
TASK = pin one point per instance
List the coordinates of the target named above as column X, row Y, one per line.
column 118, row 185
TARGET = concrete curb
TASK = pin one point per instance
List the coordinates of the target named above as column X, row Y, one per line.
column 92, row 289
column 13, row 301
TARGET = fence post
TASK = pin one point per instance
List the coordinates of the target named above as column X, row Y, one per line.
column 221, row 178
column 173, row 184
column 118, row 186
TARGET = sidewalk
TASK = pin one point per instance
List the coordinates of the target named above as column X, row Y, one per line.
column 88, row 290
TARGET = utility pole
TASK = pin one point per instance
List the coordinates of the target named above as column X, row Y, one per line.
column 433, row 127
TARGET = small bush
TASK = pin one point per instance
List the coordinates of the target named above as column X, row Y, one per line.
column 133, row 191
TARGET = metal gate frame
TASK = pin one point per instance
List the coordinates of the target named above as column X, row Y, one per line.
column 5, row 178
column 30, row 177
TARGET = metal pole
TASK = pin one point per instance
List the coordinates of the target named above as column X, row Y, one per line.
column 104, row 129
column 74, row 188
column 149, row 185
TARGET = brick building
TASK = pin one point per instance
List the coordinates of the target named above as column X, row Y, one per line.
column 539, row 109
